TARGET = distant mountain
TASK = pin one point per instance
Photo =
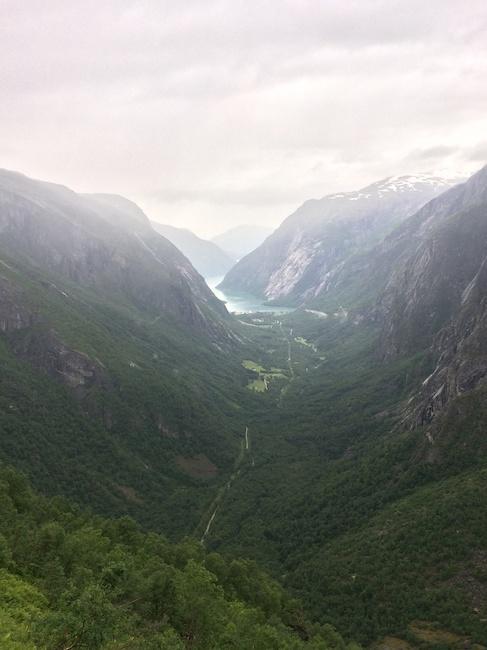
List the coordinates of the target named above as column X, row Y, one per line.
column 241, row 240
column 206, row 257
column 294, row 264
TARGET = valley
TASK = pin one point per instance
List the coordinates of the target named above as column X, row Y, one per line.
column 317, row 508
column 340, row 446
column 243, row 325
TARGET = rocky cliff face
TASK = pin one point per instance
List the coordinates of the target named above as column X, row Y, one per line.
column 47, row 352
column 296, row 263
column 434, row 294
column 30, row 340
column 429, row 264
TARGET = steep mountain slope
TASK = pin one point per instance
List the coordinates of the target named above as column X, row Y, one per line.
column 436, row 293
column 206, row 257
column 119, row 381
column 239, row 241
column 437, row 255
column 293, row 265
column 104, row 244
column 425, row 287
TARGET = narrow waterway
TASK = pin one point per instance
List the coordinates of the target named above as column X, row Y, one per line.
column 244, row 303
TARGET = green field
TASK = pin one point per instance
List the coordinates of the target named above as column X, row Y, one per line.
column 261, row 383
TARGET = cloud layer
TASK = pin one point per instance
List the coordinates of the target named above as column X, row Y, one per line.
column 211, row 113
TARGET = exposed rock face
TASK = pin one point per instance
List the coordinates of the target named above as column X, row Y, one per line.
column 47, row 352
column 435, row 294
column 296, row 263
column 44, row 349
column 431, row 264
column 461, row 350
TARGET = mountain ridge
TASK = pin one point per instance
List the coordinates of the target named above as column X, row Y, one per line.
column 294, row 264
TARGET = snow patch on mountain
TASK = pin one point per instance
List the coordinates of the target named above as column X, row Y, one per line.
column 410, row 183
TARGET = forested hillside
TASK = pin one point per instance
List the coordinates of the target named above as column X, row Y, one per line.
column 120, row 384
column 369, row 524
column 342, row 450
column 72, row 580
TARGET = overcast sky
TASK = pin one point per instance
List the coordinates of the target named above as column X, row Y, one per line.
column 214, row 113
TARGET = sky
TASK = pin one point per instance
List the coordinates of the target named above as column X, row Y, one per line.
column 214, row 113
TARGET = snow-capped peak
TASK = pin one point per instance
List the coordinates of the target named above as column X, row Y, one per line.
column 399, row 184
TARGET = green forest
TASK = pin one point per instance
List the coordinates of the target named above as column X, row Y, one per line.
column 70, row 579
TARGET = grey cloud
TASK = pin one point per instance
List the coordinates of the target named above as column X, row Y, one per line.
column 216, row 111
column 479, row 153
column 433, row 153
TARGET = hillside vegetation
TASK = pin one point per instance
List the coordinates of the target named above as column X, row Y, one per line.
column 71, row 580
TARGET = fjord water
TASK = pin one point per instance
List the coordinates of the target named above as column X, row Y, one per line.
column 243, row 303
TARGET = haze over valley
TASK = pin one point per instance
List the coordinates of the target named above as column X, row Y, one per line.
column 243, row 326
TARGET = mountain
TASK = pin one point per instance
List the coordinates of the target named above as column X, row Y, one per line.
column 241, row 240
column 119, row 379
column 371, row 461
column 206, row 257
column 436, row 291
column 105, row 243
column 424, row 285
column 294, row 264
column 341, row 446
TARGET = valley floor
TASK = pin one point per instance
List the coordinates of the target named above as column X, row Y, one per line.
column 340, row 504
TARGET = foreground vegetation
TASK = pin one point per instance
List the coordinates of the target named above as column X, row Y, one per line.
column 72, row 580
